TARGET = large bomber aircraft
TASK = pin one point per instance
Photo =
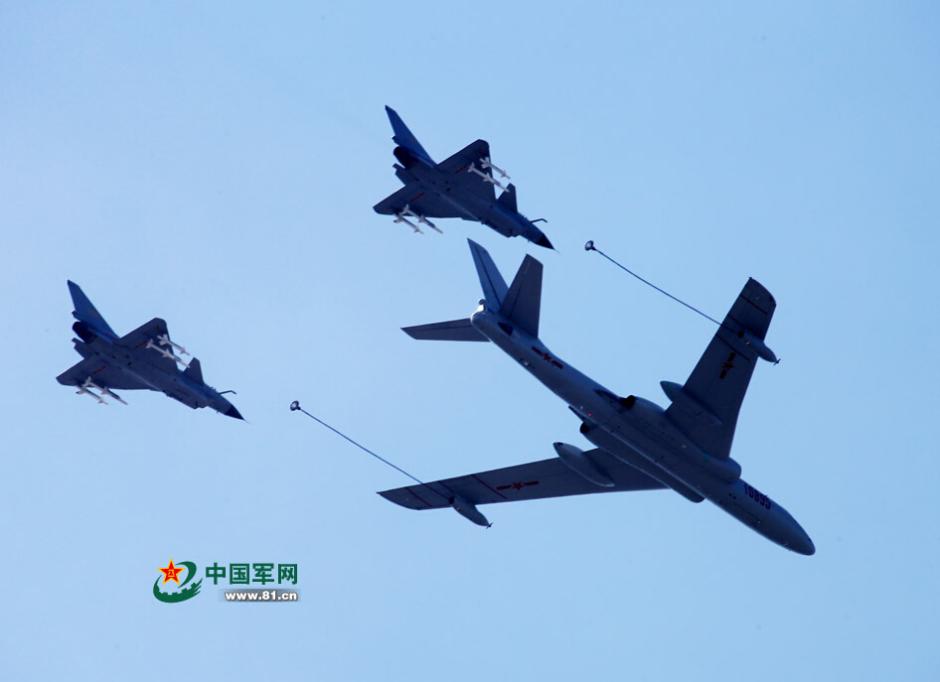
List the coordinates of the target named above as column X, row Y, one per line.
column 639, row 445
column 146, row 358
column 463, row 186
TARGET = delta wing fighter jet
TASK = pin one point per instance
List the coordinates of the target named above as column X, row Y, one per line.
column 463, row 186
column 639, row 445
column 145, row 358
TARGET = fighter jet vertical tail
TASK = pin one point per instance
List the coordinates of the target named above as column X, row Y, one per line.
column 494, row 286
column 86, row 312
column 194, row 371
column 508, row 199
column 404, row 138
column 524, row 299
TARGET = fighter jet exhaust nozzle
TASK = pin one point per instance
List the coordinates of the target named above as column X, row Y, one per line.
column 84, row 332
column 405, row 157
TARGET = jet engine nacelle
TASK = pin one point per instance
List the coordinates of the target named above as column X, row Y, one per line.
column 583, row 465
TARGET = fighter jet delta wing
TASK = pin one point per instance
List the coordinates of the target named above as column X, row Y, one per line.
column 706, row 407
column 463, row 169
column 531, row 481
column 413, row 202
column 154, row 337
column 100, row 373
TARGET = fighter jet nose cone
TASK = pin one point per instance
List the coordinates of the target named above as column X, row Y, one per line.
column 232, row 412
column 543, row 241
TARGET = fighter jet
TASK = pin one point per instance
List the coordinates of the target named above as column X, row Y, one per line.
column 145, row 358
column 639, row 445
column 463, row 186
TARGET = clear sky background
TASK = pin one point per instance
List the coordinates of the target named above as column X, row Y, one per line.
column 215, row 164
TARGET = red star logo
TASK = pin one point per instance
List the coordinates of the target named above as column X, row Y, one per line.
column 171, row 572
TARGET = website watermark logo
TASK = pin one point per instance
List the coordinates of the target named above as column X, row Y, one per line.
column 269, row 581
column 185, row 590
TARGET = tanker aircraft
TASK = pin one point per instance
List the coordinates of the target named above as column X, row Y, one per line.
column 463, row 186
column 639, row 445
column 146, row 358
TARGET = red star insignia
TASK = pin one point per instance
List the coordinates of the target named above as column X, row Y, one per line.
column 171, row 572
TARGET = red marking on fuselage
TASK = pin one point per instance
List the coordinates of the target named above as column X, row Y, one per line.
column 547, row 357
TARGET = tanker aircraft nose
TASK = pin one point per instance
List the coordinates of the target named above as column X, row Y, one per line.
column 804, row 545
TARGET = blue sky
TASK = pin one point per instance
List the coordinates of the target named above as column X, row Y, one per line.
column 216, row 165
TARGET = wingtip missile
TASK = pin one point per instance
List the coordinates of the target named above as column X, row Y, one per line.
column 108, row 392
column 84, row 391
column 168, row 354
column 487, row 164
column 164, row 340
column 486, row 177
column 403, row 215
column 88, row 387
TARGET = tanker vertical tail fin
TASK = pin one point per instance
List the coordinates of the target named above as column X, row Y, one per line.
column 523, row 301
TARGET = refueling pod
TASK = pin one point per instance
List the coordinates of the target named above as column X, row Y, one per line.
column 469, row 512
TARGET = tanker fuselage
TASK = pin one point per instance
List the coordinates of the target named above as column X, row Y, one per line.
column 638, row 432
